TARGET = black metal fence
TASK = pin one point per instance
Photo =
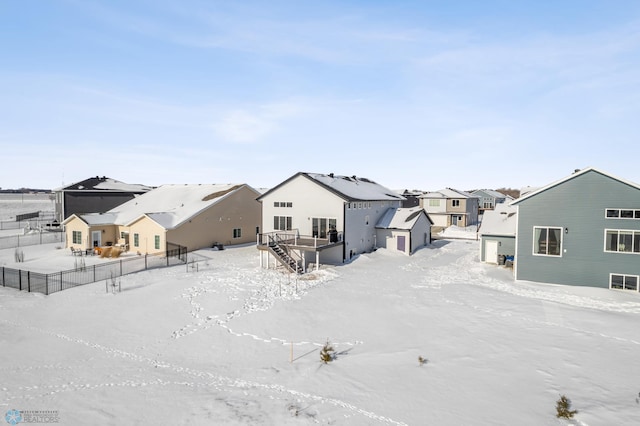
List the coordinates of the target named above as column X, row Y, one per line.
column 58, row 281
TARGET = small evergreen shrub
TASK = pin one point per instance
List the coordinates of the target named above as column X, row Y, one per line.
column 422, row 361
column 563, row 408
column 327, row 353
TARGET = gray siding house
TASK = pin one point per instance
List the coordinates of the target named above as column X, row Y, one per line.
column 581, row 230
column 488, row 198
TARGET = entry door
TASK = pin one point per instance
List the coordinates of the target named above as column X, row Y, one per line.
column 96, row 238
column 454, row 219
column 491, row 252
column 401, row 243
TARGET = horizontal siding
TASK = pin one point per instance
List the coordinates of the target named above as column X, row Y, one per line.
column 577, row 205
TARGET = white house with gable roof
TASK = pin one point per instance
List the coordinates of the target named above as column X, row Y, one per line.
column 313, row 218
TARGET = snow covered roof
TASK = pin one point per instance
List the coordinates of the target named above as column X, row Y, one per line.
column 490, row 192
column 104, row 183
column 573, row 176
column 351, row 188
column 501, row 221
column 448, row 193
column 401, row 218
column 168, row 205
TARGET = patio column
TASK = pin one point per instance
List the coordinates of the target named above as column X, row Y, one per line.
column 317, row 260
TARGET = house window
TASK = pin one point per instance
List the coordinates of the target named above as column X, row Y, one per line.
column 547, row 241
column 237, row 233
column 136, row 240
column 621, row 241
column 359, row 205
column 156, row 242
column 434, row 203
column 487, row 205
column 623, row 282
column 455, row 203
column 282, row 204
column 622, row 213
column 77, row 237
column 282, row 223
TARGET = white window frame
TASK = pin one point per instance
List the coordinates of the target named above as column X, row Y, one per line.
column 288, row 223
column 624, row 277
column 634, row 250
column 635, row 213
column 76, row 237
column 535, row 242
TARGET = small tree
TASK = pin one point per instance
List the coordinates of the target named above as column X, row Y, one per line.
column 563, row 408
column 327, row 353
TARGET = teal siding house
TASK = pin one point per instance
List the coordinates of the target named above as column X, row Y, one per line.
column 581, row 230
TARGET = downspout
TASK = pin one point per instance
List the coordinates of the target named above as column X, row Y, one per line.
column 344, row 231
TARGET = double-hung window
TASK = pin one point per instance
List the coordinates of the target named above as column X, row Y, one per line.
column 77, row 237
column 547, row 241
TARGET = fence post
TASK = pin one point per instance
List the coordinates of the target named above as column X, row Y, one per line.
column 3, row 283
column 94, row 273
column 60, row 280
column 20, row 279
column 145, row 261
column 46, row 284
column 120, row 267
column 29, row 281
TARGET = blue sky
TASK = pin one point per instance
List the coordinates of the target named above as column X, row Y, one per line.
column 411, row 94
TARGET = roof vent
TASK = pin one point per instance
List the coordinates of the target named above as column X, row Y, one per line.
column 330, row 175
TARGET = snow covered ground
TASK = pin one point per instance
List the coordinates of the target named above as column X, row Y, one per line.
column 14, row 204
column 230, row 343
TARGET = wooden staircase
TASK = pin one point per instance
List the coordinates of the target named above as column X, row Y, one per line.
column 281, row 253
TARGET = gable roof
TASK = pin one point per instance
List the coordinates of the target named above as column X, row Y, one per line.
column 402, row 218
column 168, row 205
column 575, row 174
column 350, row 188
column 501, row 221
column 448, row 193
column 104, row 183
column 490, row 192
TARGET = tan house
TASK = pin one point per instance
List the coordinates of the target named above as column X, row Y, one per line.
column 449, row 206
column 194, row 216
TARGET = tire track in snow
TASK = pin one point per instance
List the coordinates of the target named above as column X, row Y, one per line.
column 219, row 382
